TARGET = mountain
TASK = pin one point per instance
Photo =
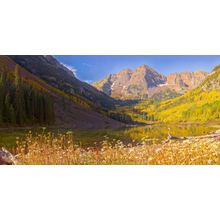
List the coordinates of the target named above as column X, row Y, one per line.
column 129, row 84
column 145, row 82
column 57, row 75
column 70, row 109
column 201, row 104
column 184, row 81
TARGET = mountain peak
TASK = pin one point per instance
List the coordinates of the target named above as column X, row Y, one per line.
column 143, row 68
column 128, row 84
column 144, row 82
column 125, row 71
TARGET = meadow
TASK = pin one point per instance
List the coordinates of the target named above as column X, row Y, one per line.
column 50, row 148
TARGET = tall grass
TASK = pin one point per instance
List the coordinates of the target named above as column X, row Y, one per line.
column 48, row 148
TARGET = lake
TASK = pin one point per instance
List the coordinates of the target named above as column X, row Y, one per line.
column 128, row 135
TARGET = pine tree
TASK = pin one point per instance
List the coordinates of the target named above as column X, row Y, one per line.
column 2, row 97
column 21, row 103
column 17, row 76
column 12, row 115
column 1, row 100
column 7, row 118
column 19, row 100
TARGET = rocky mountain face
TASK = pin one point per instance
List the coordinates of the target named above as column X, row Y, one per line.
column 212, row 82
column 57, row 75
column 145, row 82
column 186, row 80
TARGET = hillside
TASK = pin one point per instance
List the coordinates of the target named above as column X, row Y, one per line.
column 57, row 75
column 70, row 110
column 145, row 82
column 21, row 103
column 201, row 104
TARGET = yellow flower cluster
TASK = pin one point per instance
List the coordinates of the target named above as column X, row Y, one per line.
column 48, row 148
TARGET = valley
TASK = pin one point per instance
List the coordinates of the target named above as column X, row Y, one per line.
column 42, row 103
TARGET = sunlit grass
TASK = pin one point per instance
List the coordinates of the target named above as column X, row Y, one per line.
column 48, row 148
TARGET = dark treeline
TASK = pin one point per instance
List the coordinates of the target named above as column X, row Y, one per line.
column 120, row 117
column 21, row 103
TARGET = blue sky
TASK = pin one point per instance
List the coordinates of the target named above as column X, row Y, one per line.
column 91, row 68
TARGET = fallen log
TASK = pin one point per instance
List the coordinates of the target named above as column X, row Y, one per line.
column 212, row 135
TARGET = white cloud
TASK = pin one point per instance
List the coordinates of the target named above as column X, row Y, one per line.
column 88, row 81
column 71, row 68
column 74, row 70
column 87, row 64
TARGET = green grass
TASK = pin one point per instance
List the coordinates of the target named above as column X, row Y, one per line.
column 8, row 138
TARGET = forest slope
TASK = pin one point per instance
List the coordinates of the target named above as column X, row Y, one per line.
column 70, row 110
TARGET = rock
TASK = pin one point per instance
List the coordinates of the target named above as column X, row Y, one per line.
column 6, row 158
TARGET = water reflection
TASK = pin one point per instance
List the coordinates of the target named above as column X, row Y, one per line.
column 155, row 133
